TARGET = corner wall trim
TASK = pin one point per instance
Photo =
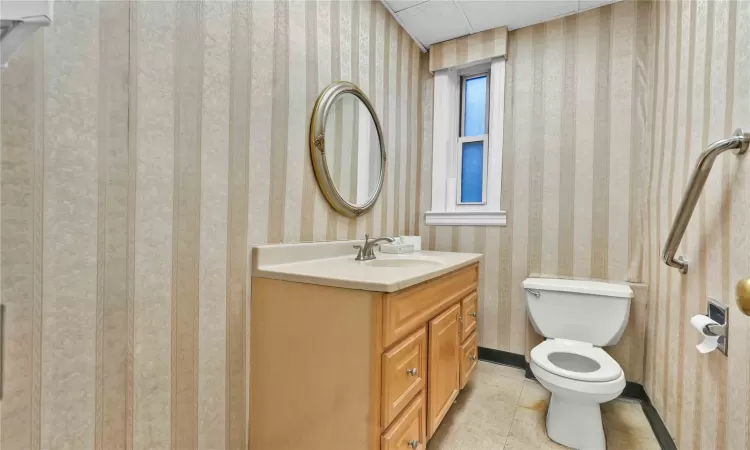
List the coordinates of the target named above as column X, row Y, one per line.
column 632, row 390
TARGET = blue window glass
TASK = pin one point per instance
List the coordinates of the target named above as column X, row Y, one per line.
column 472, row 171
column 475, row 106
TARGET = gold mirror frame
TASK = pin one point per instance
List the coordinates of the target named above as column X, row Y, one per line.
column 320, row 112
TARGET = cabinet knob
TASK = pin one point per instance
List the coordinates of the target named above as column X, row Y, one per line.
column 474, row 314
column 473, row 357
column 412, row 371
column 413, row 443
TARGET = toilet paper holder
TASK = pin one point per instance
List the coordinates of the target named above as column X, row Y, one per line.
column 713, row 329
column 718, row 312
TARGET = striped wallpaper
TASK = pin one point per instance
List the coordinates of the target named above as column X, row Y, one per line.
column 573, row 169
column 701, row 92
column 146, row 146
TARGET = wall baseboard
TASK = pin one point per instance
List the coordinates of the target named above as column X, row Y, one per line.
column 632, row 390
column 501, row 357
column 635, row 391
column 657, row 424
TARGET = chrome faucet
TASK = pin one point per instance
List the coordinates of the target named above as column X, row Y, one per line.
column 365, row 252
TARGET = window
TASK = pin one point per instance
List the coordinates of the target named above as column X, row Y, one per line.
column 467, row 145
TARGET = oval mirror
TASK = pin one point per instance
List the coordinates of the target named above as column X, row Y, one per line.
column 347, row 149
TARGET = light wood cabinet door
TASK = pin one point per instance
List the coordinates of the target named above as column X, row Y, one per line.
column 444, row 364
column 408, row 431
column 469, row 315
column 469, row 358
column 404, row 374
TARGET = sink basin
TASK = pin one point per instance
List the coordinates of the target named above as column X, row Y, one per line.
column 402, row 262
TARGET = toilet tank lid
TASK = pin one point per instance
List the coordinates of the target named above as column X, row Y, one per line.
column 579, row 286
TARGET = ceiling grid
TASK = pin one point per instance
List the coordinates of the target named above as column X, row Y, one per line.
column 432, row 21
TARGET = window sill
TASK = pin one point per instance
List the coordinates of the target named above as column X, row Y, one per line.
column 466, row 218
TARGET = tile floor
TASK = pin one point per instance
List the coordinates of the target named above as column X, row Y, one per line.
column 501, row 410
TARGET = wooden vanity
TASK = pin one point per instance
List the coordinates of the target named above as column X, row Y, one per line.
column 339, row 368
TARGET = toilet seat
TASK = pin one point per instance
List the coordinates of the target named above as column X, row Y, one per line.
column 579, row 360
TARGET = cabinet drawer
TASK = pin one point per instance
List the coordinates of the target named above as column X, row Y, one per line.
column 469, row 314
column 469, row 358
column 407, row 310
column 408, row 431
column 404, row 372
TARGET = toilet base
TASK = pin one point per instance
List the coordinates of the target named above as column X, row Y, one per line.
column 575, row 425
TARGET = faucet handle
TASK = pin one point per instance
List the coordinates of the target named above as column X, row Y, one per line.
column 359, row 252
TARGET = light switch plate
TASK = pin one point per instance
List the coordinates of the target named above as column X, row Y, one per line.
column 720, row 313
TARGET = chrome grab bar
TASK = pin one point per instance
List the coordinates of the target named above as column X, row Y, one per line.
column 738, row 143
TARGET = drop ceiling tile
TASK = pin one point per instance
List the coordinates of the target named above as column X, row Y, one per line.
column 485, row 15
column 590, row 4
column 399, row 5
column 434, row 21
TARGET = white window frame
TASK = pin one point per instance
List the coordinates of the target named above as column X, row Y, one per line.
column 446, row 208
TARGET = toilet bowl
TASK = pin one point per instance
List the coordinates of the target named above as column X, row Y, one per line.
column 580, row 377
column 577, row 318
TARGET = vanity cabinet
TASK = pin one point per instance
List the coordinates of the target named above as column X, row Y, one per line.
column 338, row 368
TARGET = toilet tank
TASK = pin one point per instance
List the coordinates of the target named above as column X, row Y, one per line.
column 588, row 311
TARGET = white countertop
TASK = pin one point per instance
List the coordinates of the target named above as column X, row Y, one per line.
column 333, row 264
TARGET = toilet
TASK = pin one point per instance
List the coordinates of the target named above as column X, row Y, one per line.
column 577, row 318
